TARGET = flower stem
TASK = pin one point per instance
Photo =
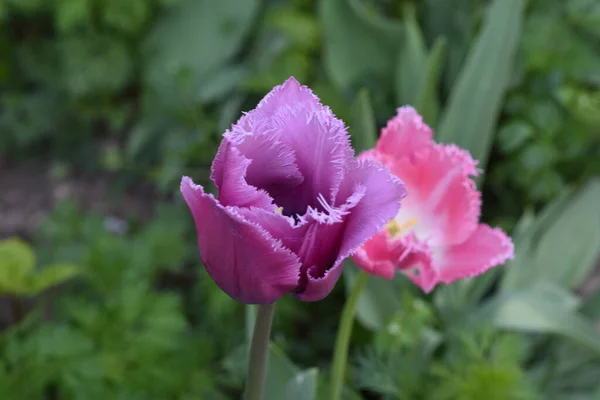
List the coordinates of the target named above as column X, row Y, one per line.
column 259, row 350
column 340, row 353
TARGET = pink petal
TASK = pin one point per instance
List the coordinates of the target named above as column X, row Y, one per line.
column 417, row 263
column 460, row 157
column 373, row 196
column 484, row 249
column 441, row 195
column 243, row 258
column 404, row 134
column 379, row 255
column 229, row 175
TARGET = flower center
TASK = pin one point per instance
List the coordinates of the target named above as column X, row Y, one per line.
column 395, row 229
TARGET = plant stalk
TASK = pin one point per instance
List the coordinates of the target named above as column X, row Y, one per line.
column 259, row 350
column 340, row 352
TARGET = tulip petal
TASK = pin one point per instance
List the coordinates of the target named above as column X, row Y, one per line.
column 229, row 175
column 229, row 241
column 315, row 239
column 380, row 204
column 321, row 144
column 273, row 166
column 320, row 251
column 418, row 263
column 290, row 93
column 484, row 249
column 380, row 255
column 278, row 226
column 404, row 134
column 373, row 195
column 442, row 197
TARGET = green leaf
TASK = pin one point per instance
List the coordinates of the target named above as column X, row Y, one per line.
column 86, row 60
column 412, row 61
column 362, row 124
column 17, row 261
column 541, row 310
column 591, row 308
column 52, row 275
column 302, row 29
column 561, row 246
column 427, row 102
column 303, row 386
column 222, row 83
column 458, row 29
column 456, row 300
column 357, row 45
column 476, row 99
column 285, row 380
column 128, row 16
column 585, row 14
column 514, row 135
column 379, row 299
column 192, row 41
column 69, row 14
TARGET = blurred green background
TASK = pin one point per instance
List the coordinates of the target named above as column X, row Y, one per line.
column 105, row 104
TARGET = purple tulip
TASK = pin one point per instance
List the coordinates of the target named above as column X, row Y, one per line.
column 293, row 201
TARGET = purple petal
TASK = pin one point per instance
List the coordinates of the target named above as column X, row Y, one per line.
column 229, row 175
column 243, row 259
column 290, row 92
column 294, row 115
column 381, row 202
column 273, row 167
column 321, row 247
column 278, row 226
column 316, row 239
column 379, row 194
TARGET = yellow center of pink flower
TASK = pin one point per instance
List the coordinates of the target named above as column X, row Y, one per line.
column 395, row 229
column 279, row 210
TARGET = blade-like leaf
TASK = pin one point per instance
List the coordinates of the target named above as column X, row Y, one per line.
column 452, row 19
column 476, row 99
column 356, row 44
column 285, row 380
column 591, row 307
column 541, row 309
column 427, row 102
column 562, row 245
column 379, row 299
column 362, row 124
column 191, row 43
column 412, row 60
column 303, row 386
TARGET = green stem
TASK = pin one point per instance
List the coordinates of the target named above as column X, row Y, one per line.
column 340, row 353
column 259, row 350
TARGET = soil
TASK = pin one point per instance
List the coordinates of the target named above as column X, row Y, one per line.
column 28, row 193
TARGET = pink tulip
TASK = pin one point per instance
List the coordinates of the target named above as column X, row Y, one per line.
column 292, row 202
column 436, row 236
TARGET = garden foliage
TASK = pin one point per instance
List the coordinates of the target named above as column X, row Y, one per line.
column 143, row 89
